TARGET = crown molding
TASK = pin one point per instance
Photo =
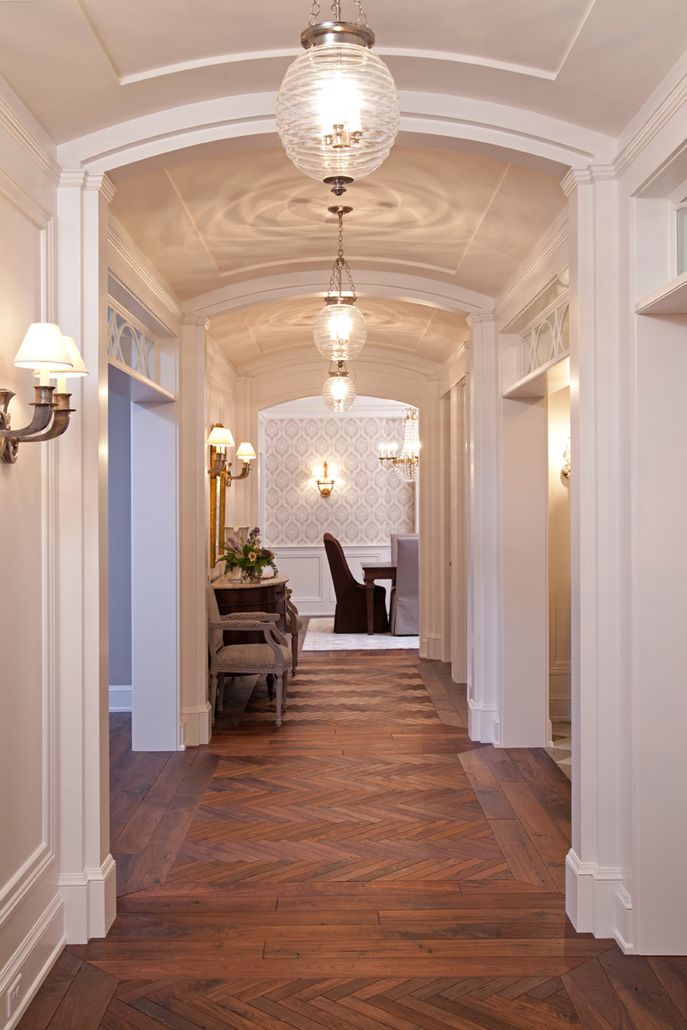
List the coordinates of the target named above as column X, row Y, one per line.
column 101, row 183
column 670, row 105
column 31, row 146
column 134, row 262
column 201, row 321
column 553, row 240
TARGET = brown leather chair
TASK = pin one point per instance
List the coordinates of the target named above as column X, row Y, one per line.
column 351, row 596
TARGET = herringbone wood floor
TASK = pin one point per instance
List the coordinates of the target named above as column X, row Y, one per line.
column 365, row 866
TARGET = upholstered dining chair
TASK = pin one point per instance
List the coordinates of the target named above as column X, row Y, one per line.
column 269, row 657
column 350, row 615
column 405, row 595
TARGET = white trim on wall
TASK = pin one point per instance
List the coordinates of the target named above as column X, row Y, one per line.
column 309, row 577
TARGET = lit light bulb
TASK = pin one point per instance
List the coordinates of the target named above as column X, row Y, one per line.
column 339, row 107
column 340, row 332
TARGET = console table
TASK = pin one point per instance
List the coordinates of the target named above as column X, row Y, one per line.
column 269, row 595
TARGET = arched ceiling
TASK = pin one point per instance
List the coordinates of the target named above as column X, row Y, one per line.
column 83, row 64
column 265, row 330
column 215, row 215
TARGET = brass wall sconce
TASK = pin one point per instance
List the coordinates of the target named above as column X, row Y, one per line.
column 52, row 356
column 325, row 485
column 220, row 442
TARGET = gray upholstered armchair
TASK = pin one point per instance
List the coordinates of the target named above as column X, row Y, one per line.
column 269, row 657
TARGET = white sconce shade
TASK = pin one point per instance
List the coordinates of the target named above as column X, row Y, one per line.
column 220, row 437
column 246, row 453
column 44, row 347
column 340, row 331
column 78, row 368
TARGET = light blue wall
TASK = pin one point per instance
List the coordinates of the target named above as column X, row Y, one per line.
column 120, row 538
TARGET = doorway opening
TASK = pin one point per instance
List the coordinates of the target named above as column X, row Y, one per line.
column 364, row 503
column 559, row 473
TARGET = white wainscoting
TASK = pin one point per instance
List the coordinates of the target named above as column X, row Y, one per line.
column 308, row 571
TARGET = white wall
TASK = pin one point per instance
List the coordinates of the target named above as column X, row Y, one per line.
column 31, row 908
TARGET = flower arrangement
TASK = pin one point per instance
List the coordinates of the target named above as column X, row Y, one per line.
column 251, row 558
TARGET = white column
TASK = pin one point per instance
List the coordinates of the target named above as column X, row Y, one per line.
column 87, row 873
column 484, row 632
column 193, row 532
column 597, row 896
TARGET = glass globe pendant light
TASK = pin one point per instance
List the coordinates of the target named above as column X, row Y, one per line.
column 340, row 331
column 337, row 109
column 339, row 389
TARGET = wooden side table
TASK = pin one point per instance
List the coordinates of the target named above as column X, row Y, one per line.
column 269, row 595
column 370, row 574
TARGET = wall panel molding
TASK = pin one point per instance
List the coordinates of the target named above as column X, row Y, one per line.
column 308, row 571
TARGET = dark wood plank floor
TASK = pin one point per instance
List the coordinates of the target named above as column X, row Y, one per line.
column 366, row 866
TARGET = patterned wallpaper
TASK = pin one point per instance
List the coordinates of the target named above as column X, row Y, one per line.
column 368, row 502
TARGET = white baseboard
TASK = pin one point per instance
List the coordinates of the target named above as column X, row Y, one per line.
column 196, row 725
column 120, row 699
column 432, row 646
column 32, row 961
column 483, row 722
column 90, row 902
column 597, row 902
column 560, row 709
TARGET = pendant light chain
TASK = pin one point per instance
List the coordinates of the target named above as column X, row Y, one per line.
column 336, row 12
column 340, row 266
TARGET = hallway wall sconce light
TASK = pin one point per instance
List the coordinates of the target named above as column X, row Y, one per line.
column 52, row 356
column 566, row 467
column 326, row 484
column 405, row 464
column 338, row 109
column 221, row 441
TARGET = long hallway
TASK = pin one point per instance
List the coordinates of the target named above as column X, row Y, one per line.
column 366, row 866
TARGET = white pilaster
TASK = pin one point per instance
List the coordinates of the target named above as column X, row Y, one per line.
column 597, row 895
column 193, row 521
column 87, row 877
column 484, row 630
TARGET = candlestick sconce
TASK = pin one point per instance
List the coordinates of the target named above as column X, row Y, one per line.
column 325, row 485
column 220, row 442
column 52, row 356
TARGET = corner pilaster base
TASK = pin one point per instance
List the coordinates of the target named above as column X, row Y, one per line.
column 483, row 723
column 90, row 902
column 196, row 723
column 597, row 902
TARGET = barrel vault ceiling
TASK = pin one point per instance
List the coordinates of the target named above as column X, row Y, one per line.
column 228, row 212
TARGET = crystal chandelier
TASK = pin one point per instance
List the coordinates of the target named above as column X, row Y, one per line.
column 339, row 389
column 406, row 463
column 340, row 331
column 337, row 109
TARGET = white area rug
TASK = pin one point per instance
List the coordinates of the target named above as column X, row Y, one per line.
column 321, row 637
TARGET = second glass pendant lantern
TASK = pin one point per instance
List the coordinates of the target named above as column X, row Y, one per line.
column 340, row 332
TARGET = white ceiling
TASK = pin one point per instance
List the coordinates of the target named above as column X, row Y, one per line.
column 211, row 216
column 83, row 64
column 267, row 329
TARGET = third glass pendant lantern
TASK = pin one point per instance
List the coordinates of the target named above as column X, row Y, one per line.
column 340, row 331
column 337, row 109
